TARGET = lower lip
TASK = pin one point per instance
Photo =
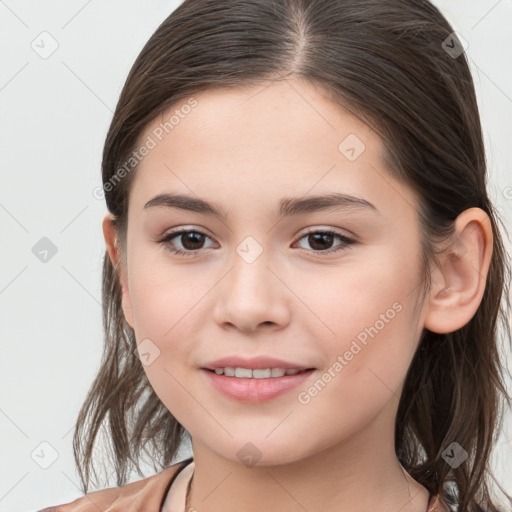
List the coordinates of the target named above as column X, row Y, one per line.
column 255, row 390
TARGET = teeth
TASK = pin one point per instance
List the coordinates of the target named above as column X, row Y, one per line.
column 243, row 372
column 247, row 373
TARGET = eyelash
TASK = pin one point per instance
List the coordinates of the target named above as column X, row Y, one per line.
column 346, row 242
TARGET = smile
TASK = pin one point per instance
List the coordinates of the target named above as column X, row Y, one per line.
column 256, row 385
column 259, row 373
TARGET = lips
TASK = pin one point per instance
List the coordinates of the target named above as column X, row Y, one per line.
column 254, row 363
column 254, row 390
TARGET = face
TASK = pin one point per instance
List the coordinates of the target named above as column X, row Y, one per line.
column 332, row 289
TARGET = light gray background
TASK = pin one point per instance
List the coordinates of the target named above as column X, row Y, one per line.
column 54, row 116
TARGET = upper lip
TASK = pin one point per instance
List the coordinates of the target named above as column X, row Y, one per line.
column 261, row 362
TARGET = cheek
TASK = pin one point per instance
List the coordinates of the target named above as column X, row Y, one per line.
column 166, row 330
column 164, row 296
column 172, row 316
column 169, row 320
column 366, row 359
column 368, row 318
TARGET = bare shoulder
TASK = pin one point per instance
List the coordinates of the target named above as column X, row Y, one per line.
column 133, row 497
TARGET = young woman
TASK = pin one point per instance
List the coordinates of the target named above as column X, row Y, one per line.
column 304, row 273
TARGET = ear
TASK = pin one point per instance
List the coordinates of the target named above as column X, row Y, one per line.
column 459, row 284
column 114, row 253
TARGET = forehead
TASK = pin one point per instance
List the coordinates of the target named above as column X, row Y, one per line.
column 275, row 139
column 286, row 111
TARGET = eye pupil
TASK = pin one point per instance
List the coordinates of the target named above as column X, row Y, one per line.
column 320, row 237
column 192, row 236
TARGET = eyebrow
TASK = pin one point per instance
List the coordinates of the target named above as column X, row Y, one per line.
column 287, row 207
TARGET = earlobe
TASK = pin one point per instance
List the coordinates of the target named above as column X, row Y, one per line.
column 459, row 284
column 114, row 253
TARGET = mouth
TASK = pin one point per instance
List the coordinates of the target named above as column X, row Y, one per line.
column 255, row 385
column 257, row 373
column 244, row 364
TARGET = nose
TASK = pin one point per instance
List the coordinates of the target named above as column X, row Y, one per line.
column 252, row 296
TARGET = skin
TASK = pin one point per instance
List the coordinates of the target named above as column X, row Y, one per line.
column 245, row 149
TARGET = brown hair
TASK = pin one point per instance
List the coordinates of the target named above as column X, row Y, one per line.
column 389, row 62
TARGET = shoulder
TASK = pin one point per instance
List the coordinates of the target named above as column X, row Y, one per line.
column 139, row 496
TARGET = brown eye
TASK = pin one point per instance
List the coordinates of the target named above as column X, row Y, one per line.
column 191, row 241
column 321, row 241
